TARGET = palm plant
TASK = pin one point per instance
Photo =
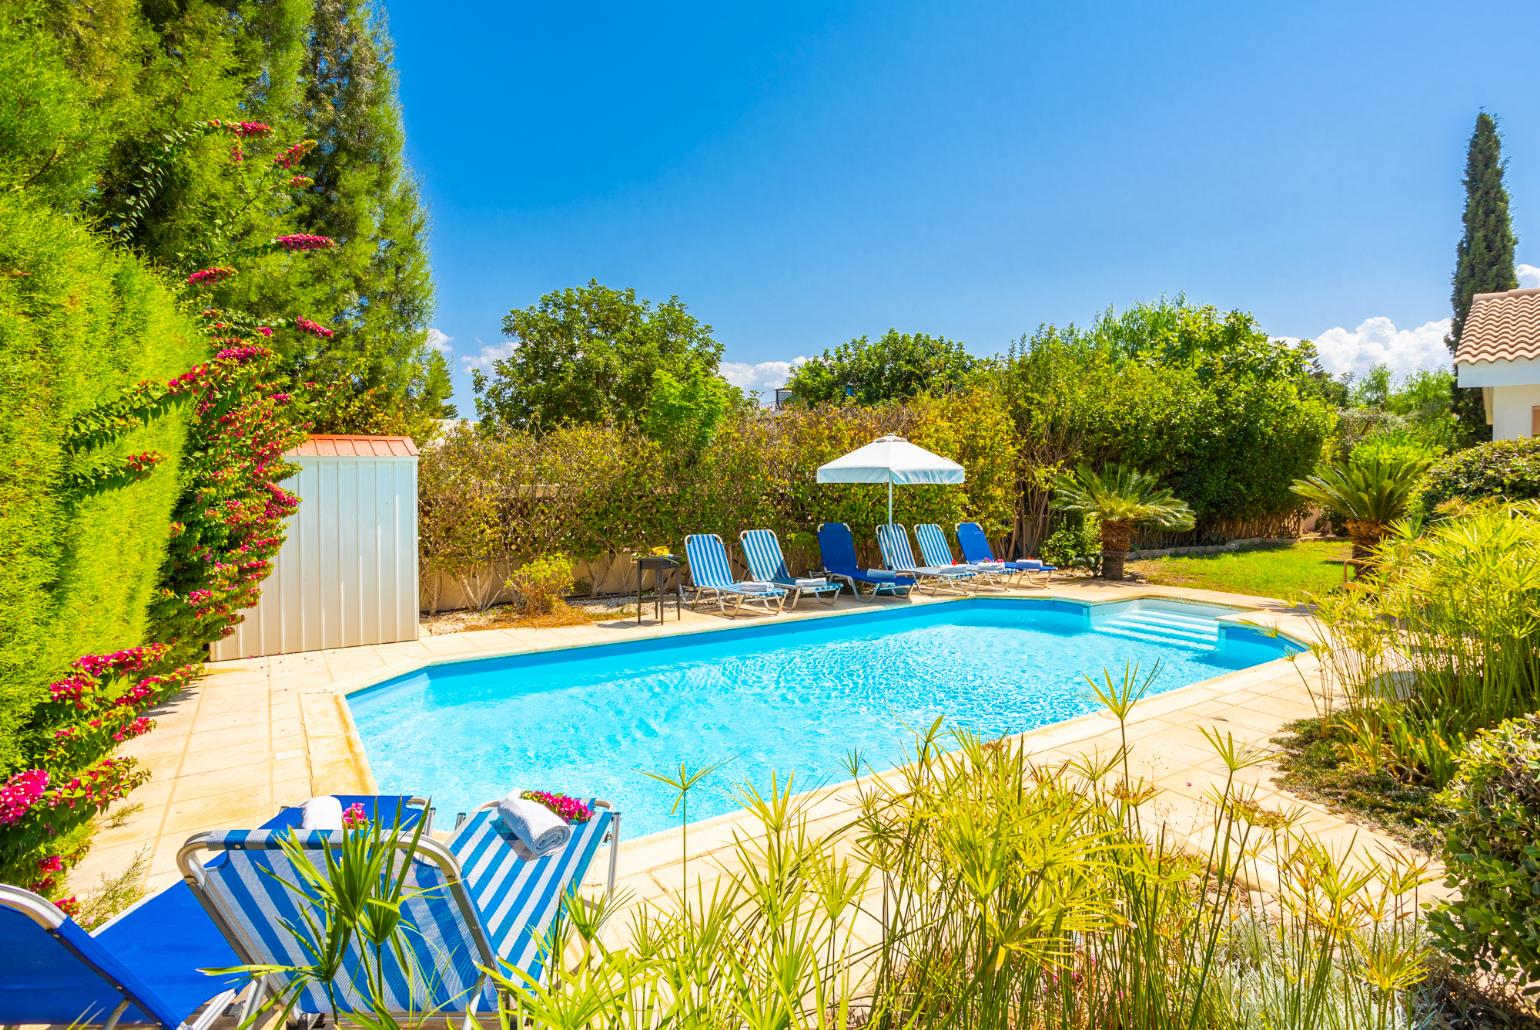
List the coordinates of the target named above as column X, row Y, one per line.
column 1122, row 499
column 1369, row 494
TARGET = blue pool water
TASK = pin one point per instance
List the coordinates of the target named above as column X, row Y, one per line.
column 795, row 696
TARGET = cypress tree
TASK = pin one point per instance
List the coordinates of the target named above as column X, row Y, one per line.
column 1484, row 258
column 378, row 289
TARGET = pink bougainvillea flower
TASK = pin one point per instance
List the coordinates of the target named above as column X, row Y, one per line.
column 569, row 808
column 265, row 330
column 303, row 241
column 291, row 155
column 210, row 276
column 313, row 328
column 354, row 817
column 251, row 128
column 20, row 793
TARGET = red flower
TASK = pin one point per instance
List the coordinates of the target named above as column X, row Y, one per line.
column 303, row 241
column 210, row 276
column 314, row 328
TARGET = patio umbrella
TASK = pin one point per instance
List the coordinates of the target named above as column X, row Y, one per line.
column 891, row 459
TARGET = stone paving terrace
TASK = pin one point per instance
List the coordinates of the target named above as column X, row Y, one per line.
column 256, row 734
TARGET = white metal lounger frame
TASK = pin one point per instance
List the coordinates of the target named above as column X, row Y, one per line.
column 933, row 545
column 715, row 570
column 762, row 551
column 898, row 555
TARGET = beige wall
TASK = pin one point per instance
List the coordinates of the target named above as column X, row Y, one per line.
column 1513, row 411
column 610, row 575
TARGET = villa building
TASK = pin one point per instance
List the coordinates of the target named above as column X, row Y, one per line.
column 1500, row 352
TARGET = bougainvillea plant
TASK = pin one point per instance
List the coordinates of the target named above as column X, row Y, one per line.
column 227, row 526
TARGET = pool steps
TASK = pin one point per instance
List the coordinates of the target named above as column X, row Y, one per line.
column 1159, row 626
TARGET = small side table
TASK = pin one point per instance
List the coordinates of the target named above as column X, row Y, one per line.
column 660, row 565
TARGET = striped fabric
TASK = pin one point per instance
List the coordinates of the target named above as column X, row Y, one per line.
column 252, row 886
column 710, row 572
column 762, row 552
column 898, row 555
column 975, row 548
column 935, row 550
column 519, row 900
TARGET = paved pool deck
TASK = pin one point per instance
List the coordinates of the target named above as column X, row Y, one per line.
column 255, row 734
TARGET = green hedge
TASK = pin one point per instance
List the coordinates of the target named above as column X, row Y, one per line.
column 1503, row 469
column 79, row 325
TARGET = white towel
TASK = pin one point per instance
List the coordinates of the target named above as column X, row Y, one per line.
column 321, row 813
column 813, row 581
column 537, row 831
column 757, row 586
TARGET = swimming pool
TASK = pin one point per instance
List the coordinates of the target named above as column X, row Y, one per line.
column 792, row 696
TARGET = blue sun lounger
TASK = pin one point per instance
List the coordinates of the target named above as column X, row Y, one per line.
column 975, row 548
column 898, row 555
column 762, row 552
column 471, row 905
column 838, row 549
column 935, row 551
column 710, row 574
column 142, row 967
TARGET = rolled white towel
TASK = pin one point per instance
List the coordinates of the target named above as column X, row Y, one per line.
column 537, row 831
column 758, row 586
column 812, row 581
column 321, row 813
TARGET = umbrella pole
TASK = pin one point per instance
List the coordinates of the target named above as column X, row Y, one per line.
column 890, row 502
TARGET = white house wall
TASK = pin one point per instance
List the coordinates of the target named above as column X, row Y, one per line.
column 347, row 572
column 1513, row 411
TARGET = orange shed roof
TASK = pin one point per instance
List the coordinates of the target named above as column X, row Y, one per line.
column 325, row 445
column 1501, row 327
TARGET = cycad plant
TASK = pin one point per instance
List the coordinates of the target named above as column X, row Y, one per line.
column 1369, row 494
column 1122, row 499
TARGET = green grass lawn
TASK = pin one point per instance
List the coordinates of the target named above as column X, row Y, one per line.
column 1285, row 571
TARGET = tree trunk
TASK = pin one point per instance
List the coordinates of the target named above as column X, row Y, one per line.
column 1365, row 536
column 1116, row 538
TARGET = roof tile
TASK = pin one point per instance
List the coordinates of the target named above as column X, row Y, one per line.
column 1501, row 327
column 328, row 445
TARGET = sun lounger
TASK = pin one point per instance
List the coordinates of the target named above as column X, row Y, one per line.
column 762, row 552
column 838, row 549
column 936, row 551
column 145, row 966
column 712, row 577
column 898, row 556
column 975, row 548
column 470, row 905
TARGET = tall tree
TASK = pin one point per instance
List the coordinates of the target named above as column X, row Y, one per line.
column 377, row 289
column 893, row 367
column 1484, row 258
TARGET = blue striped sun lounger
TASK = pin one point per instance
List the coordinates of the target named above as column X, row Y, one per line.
column 837, row 547
column 470, row 906
column 898, row 556
column 936, row 551
column 762, row 552
column 145, row 966
column 975, row 548
column 712, row 577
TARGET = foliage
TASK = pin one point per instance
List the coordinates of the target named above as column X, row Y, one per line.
column 1416, row 409
column 1492, row 855
column 1507, row 470
column 490, row 499
column 1121, row 499
column 1484, row 257
column 1285, row 571
column 977, row 888
column 375, row 288
column 1439, row 642
column 81, row 329
column 594, row 355
column 542, row 582
column 897, row 366
column 1229, row 416
column 1076, row 544
column 1368, row 495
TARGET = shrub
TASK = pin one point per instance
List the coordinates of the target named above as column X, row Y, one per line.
column 1492, row 855
column 542, row 582
column 1504, row 469
column 1076, row 544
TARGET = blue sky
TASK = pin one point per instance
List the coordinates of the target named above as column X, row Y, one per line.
column 801, row 173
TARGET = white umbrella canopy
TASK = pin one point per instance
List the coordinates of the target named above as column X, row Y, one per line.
column 891, row 459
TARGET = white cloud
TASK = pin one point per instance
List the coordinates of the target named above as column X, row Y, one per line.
column 439, row 341
column 1529, row 276
column 489, row 353
column 1377, row 341
column 764, row 376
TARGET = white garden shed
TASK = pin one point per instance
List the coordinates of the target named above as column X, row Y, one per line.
column 1499, row 351
column 347, row 572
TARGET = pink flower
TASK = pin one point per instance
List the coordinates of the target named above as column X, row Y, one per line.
column 20, row 793
column 314, row 328
column 569, row 808
column 210, row 276
column 290, row 157
column 265, row 330
column 51, row 864
column 303, row 241
column 354, row 817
